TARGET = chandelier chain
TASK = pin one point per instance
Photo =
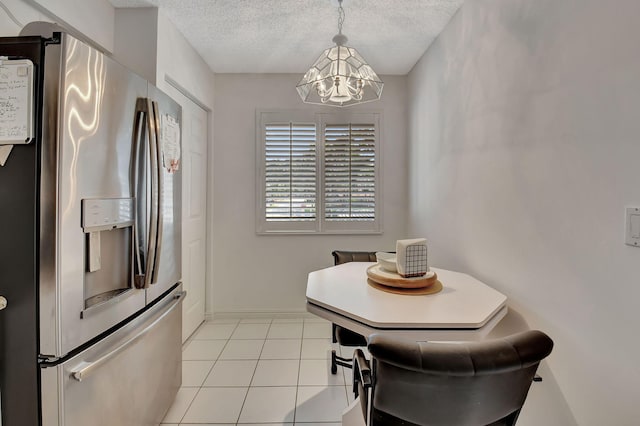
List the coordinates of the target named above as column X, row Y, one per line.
column 340, row 17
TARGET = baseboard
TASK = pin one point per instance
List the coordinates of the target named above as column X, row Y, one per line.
column 260, row 314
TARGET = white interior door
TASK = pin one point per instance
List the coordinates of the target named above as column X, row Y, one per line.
column 194, row 210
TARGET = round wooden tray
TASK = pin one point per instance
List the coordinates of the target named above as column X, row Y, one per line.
column 433, row 288
column 391, row 279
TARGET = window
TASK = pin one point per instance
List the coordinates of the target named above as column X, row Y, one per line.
column 349, row 172
column 290, row 172
column 318, row 173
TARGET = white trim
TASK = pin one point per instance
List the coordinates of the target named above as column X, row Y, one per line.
column 262, row 314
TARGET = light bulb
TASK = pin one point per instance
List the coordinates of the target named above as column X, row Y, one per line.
column 339, row 92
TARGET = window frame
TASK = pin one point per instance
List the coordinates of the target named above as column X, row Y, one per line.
column 320, row 225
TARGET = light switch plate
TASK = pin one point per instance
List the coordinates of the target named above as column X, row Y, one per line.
column 632, row 226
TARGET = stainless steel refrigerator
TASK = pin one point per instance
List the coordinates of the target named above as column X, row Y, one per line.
column 89, row 239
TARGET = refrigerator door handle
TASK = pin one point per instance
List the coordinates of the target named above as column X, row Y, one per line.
column 149, row 208
column 141, row 225
column 152, row 127
column 159, row 192
column 85, row 369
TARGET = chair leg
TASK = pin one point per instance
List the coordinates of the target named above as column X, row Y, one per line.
column 338, row 360
column 334, row 365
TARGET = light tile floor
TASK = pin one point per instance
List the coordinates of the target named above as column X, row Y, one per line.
column 261, row 371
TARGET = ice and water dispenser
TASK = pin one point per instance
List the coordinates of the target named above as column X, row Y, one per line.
column 108, row 229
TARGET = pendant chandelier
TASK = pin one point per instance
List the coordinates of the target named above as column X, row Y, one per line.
column 340, row 76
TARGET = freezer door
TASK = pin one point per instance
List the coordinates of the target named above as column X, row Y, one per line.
column 18, row 264
column 129, row 378
column 87, row 231
column 169, row 257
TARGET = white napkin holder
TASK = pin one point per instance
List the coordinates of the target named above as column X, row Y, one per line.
column 411, row 257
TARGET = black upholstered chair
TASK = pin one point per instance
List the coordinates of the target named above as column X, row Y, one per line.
column 478, row 383
column 342, row 335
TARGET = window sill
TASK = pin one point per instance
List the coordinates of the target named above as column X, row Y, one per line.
column 319, row 233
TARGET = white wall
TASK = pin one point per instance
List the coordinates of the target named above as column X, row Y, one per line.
column 93, row 18
column 23, row 13
column 178, row 60
column 147, row 42
column 265, row 273
column 136, row 40
column 523, row 131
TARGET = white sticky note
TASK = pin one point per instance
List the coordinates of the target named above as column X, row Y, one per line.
column 16, row 101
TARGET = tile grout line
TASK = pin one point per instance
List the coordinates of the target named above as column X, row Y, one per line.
column 254, row 373
column 295, row 404
column 190, row 340
column 215, row 361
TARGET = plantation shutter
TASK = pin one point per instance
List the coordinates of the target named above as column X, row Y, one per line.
column 290, row 172
column 349, row 172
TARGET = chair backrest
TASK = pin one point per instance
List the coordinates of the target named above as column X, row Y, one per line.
column 344, row 256
column 475, row 383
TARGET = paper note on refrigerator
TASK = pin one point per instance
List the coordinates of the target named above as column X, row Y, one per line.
column 16, row 101
column 170, row 143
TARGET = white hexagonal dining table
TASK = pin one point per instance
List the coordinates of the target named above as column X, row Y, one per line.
column 465, row 309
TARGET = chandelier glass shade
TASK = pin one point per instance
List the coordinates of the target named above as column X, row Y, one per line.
column 340, row 76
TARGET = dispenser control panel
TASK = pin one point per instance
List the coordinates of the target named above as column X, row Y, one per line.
column 104, row 214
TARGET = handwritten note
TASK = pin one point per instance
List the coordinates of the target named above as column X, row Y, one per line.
column 16, row 101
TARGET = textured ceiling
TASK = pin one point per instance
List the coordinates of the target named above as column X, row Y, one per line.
column 286, row 36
